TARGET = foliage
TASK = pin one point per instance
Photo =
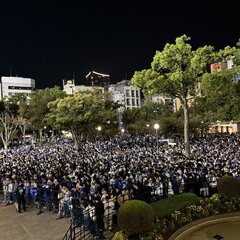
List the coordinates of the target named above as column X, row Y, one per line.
column 205, row 207
column 81, row 113
column 175, row 72
column 21, row 101
column 8, row 121
column 138, row 119
column 165, row 207
column 220, row 96
column 135, row 217
column 167, row 224
column 229, row 186
column 38, row 105
column 119, row 236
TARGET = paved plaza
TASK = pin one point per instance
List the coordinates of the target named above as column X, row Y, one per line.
column 30, row 226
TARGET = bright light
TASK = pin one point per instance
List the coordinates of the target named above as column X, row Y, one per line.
column 99, row 128
column 156, row 126
column 147, row 125
column 122, row 130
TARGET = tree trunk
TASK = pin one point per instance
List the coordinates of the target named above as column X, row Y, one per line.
column 4, row 140
column 76, row 140
column 24, row 134
column 186, row 128
column 40, row 135
column 5, row 145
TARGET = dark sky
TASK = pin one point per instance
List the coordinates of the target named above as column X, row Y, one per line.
column 49, row 40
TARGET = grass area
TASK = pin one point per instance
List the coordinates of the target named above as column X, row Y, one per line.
column 165, row 207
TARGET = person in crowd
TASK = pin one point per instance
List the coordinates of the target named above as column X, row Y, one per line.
column 114, row 166
column 21, row 197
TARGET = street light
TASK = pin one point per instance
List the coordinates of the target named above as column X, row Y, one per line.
column 122, row 130
column 99, row 128
column 156, row 127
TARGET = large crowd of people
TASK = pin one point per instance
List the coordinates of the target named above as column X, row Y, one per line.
column 102, row 174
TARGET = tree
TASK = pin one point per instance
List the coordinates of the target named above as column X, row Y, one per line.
column 21, row 103
column 81, row 113
column 221, row 89
column 8, row 121
column 38, row 106
column 140, row 119
column 175, row 72
column 220, row 98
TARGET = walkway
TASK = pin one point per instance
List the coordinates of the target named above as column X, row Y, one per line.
column 30, row 226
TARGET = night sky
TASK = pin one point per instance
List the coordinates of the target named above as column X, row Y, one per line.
column 54, row 40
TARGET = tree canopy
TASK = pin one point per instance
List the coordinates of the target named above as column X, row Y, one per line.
column 175, row 72
column 81, row 113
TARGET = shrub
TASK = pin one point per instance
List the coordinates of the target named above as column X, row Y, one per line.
column 229, row 186
column 165, row 207
column 135, row 217
column 119, row 236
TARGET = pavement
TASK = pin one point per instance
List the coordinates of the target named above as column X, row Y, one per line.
column 30, row 226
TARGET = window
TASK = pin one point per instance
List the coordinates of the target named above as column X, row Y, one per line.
column 127, row 93
column 133, row 93
column 128, row 102
column 20, row 88
column 133, row 102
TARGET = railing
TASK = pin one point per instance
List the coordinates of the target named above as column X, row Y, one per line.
column 85, row 224
column 84, row 231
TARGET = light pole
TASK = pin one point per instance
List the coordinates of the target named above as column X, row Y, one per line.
column 99, row 128
column 156, row 127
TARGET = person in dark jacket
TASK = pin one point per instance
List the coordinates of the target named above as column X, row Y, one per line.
column 99, row 211
column 20, row 193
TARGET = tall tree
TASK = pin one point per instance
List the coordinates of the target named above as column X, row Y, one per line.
column 175, row 72
column 221, row 89
column 81, row 113
column 38, row 106
column 21, row 101
column 8, row 121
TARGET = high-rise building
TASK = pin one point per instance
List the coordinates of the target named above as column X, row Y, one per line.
column 10, row 86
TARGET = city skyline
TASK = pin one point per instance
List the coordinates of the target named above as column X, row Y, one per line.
column 56, row 40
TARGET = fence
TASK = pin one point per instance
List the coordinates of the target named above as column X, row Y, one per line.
column 87, row 222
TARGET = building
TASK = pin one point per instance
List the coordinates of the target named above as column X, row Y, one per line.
column 98, row 79
column 225, row 128
column 219, row 66
column 70, row 88
column 160, row 99
column 125, row 94
column 13, row 85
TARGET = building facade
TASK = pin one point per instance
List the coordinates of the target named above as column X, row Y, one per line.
column 10, row 86
column 98, row 79
column 125, row 94
column 70, row 88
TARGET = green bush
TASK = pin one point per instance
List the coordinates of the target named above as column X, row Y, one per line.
column 165, row 207
column 135, row 217
column 229, row 186
column 119, row 236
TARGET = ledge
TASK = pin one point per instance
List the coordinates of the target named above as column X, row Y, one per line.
column 203, row 221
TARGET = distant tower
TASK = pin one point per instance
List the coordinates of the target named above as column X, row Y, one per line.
column 98, row 79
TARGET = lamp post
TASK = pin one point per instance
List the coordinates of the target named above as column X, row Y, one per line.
column 99, row 128
column 156, row 127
